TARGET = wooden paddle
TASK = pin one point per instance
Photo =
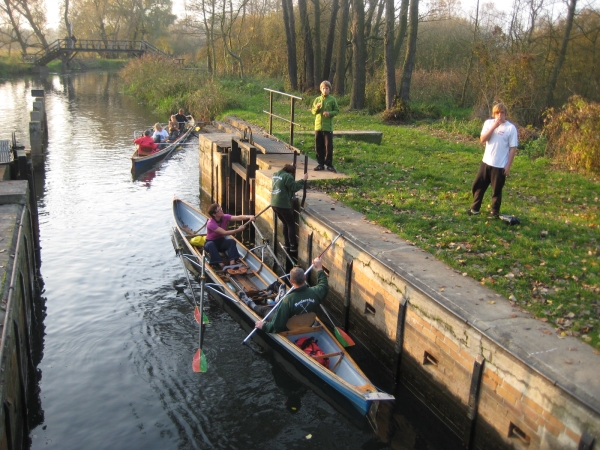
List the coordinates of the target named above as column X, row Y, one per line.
column 305, row 181
column 340, row 334
column 199, row 363
column 291, row 290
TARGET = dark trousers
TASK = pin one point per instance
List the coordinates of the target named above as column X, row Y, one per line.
column 286, row 215
column 221, row 245
column 485, row 176
column 324, row 144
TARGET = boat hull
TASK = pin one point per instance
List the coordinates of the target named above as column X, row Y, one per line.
column 141, row 164
column 344, row 377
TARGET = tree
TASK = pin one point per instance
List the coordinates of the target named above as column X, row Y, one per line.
column 290, row 40
column 309, row 55
column 335, row 6
column 339, row 86
column 14, row 22
column 390, row 59
column 561, row 54
column 411, row 52
column 359, row 53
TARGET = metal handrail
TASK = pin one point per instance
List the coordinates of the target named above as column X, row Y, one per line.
column 293, row 99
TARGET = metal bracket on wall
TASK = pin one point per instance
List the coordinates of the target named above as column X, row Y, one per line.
column 586, row 442
column 473, row 399
column 348, row 293
column 400, row 335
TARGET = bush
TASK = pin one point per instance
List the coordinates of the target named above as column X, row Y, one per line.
column 573, row 135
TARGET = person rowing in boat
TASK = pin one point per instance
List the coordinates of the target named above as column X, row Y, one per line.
column 145, row 143
column 216, row 233
column 181, row 119
column 301, row 300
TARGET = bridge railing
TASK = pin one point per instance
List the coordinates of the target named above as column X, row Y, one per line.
column 93, row 45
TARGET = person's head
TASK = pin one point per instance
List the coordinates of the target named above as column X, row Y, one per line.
column 289, row 168
column 147, row 132
column 297, row 277
column 158, row 126
column 325, row 88
column 500, row 109
column 215, row 211
column 181, row 111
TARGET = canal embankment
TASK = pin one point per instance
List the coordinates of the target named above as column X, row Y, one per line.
column 489, row 370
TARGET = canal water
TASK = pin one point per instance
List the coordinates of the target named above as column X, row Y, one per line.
column 119, row 335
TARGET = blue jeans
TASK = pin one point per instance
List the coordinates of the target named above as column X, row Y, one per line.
column 221, row 245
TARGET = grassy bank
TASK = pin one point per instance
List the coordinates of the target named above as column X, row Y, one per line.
column 417, row 183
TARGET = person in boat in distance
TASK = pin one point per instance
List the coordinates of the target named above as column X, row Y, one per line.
column 216, row 232
column 181, row 119
column 302, row 299
column 145, row 144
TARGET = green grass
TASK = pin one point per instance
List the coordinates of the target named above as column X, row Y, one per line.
column 417, row 183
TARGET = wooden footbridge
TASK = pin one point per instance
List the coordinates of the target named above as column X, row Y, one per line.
column 66, row 49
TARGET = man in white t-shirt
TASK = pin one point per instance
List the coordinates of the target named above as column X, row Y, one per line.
column 501, row 140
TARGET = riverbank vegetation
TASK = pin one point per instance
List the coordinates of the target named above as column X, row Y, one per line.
column 417, row 183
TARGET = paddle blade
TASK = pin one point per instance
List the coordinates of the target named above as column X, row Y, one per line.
column 199, row 363
column 343, row 337
column 197, row 314
column 205, row 320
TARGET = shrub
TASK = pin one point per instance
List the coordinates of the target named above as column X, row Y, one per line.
column 573, row 134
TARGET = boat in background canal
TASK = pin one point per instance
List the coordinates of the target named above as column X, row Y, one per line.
column 343, row 374
column 142, row 163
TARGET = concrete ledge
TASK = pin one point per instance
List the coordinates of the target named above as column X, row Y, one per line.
column 15, row 191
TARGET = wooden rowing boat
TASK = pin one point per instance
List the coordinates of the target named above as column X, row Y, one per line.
column 143, row 163
column 343, row 374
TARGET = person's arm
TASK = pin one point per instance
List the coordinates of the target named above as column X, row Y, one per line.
column 511, row 156
column 486, row 134
column 293, row 185
column 335, row 109
column 221, row 232
column 279, row 320
column 236, row 218
column 317, row 105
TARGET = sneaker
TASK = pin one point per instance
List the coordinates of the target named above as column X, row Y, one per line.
column 320, row 167
column 472, row 212
column 282, row 291
column 244, row 297
column 331, row 169
column 493, row 215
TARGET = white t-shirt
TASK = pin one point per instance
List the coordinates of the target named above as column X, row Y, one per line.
column 498, row 146
column 164, row 134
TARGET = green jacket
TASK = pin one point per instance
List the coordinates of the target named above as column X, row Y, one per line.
column 302, row 300
column 328, row 104
column 283, row 188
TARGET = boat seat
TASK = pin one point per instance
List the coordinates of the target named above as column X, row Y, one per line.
column 301, row 331
column 301, row 321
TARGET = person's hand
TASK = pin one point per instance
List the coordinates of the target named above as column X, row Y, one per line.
column 319, row 105
column 251, row 218
column 258, row 324
column 305, row 177
column 326, row 113
column 506, row 171
column 241, row 228
column 317, row 263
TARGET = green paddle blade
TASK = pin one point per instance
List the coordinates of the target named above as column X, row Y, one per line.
column 199, row 363
column 205, row 319
column 343, row 337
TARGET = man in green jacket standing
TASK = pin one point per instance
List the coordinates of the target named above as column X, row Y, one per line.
column 325, row 108
column 302, row 299
column 282, row 189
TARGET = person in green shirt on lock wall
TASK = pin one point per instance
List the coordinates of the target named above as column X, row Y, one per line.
column 282, row 189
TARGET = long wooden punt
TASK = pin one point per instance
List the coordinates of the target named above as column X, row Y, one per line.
column 143, row 163
column 343, row 374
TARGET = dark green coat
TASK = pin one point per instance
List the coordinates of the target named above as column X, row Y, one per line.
column 302, row 300
column 283, row 188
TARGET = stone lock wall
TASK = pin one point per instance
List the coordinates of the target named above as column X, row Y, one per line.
column 489, row 394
